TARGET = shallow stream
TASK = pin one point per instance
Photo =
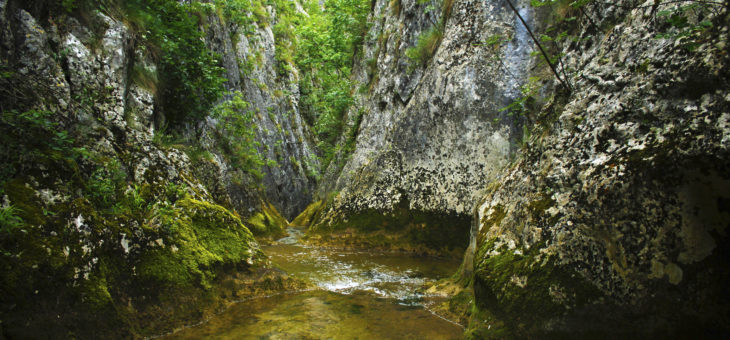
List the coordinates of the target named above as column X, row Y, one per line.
column 360, row 295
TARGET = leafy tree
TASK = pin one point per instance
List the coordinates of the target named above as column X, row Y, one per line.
column 328, row 42
column 190, row 78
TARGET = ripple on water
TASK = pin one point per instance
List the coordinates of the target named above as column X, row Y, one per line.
column 365, row 295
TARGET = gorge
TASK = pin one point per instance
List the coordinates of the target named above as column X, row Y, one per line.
column 458, row 168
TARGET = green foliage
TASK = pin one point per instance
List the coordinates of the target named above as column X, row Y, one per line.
column 428, row 43
column 524, row 105
column 327, row 44
column 683, row 23
column 33, row 135
column 237, row 135
column 68, row 5
column 496, row 40
column 165, row 138
column 5, row 71
column 106, row 184
column 243, row 14
column 197, row 154
column 429, row 40
column 285, row 36
column 10, row 221
column 37, row 123
column 189, row 77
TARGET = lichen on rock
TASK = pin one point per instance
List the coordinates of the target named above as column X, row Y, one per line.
column 106, row 233
column 615, row 214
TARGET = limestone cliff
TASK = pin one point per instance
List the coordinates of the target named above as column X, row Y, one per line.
column 430, row 136
column 106, row 232
column 609, row 218
column 614, row 219
column 248, row 55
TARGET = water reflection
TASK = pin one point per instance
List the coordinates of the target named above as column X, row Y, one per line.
column 387, row 275
column 363, row 296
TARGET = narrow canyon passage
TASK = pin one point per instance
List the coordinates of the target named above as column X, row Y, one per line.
column 355, row 295
column 154, row 155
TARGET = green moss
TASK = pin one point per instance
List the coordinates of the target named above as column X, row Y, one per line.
column 494, row 218
column 537, row 207
column 25, row 201
column 162, row 266
column 257, row 224
column 201, row 236
column 268, row 222
column 310, row 214
column 484, row 324
column 95, row 292
column 527, row 289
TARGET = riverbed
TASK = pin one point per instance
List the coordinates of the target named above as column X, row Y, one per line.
column 358, row 295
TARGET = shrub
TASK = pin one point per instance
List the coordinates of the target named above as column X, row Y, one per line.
column 189, row 79
column 9, row 220
column 428, row 43
column 237, row 135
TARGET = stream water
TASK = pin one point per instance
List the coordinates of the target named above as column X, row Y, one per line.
column 360, row 295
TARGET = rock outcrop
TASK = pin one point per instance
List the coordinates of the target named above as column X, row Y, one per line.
column 614, row 219
column 430, row 138
column 248, row 55
column 106, row 232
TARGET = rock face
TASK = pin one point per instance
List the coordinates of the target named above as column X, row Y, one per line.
column 614, row 220
column 106, row 233
column 249, row 59
column 431, row 138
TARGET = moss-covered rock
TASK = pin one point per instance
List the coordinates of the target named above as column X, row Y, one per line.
column 105, row 231
column 199, row 237
column 613, row 221
column 139, row 269
column 401, row 229
column 527, row 288
column 268, row 223
column 310, row 214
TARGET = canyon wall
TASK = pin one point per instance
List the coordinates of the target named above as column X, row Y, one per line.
column 431, row 134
